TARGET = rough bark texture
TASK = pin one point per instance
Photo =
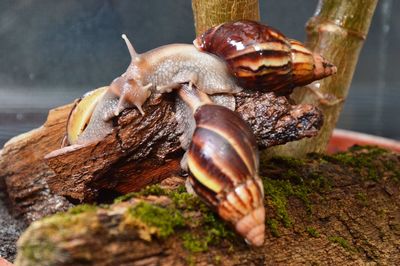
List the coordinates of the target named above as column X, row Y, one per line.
column 337, row 31
column 339, row 210
column 23, row 170
column 146, row 149
column 141, row 150
column 209, row 13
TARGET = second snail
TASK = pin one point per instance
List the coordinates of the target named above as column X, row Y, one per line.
column 221, row 155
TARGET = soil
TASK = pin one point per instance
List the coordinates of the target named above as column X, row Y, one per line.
column 10, row 230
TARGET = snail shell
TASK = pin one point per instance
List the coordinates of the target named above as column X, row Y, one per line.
column 263, row 58
column 82, row 112
column 222, row 161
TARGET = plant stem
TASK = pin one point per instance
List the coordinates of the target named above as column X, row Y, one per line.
column 337, row 30
column 208, row 13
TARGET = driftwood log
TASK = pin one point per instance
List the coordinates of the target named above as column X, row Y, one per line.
column 339, row 210
column 141, row 150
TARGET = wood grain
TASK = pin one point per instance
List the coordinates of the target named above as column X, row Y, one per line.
column 39, row 176
column 209, row 13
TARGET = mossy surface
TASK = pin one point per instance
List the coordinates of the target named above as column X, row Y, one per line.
column 364, row 161
column 291, row 182
column 82, row 208
column 164, row 219
column 209, row 228
column 285, row 178
column 37, row 246
column 155, row 190
column 297, row 178
column 273, row 225
column 286, row 181
column 37, row 252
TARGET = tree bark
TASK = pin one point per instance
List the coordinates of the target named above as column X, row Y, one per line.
column 23, row 171
column 209, row 13
column 337, row 31
column 141, row 150
column 340, row 210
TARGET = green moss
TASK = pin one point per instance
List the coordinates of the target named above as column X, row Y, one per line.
column 273, row 226
column 289, row 162
column 180, row 197
column 186, row 201
column 394, row 168
column 280, row 190
column 155, row 190
column 312, row 231
column 319, row 182
column 372, row 150
column 164, row 219
column 191, row 260
column 341, row 242
column 125, row 197
column 214, row 230
column 362, row 197
column 363, row 159
column 38, row 252
column 194, row 243
column 82, row 208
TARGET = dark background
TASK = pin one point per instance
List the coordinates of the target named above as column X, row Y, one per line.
column 51, row 52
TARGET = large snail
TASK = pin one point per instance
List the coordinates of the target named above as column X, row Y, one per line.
column 221, row 157
column 222, row 161
column 262, row 58
column 257, row 56
column 158, row 71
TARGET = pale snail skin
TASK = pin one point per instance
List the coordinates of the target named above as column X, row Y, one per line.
column 222, row 162
column 157, row 71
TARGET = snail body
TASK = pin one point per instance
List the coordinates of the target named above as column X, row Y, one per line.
column 157, row 71
column 222, row 161
column 262, row 58
column 166, row 68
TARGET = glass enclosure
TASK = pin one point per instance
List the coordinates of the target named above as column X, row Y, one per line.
column 52, row 52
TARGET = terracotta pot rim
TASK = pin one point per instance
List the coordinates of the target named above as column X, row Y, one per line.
column 342, row 139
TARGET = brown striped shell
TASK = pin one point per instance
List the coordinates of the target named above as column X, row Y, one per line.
column 222, row 161
column 263, row 58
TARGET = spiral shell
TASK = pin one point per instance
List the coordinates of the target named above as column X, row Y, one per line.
column 222, row 161
column 263, row 58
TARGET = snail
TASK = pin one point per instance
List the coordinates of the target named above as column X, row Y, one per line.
column 254, row 56
column 222, row 162
column 221, row 152
column 262, row 58
column 159, row 70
